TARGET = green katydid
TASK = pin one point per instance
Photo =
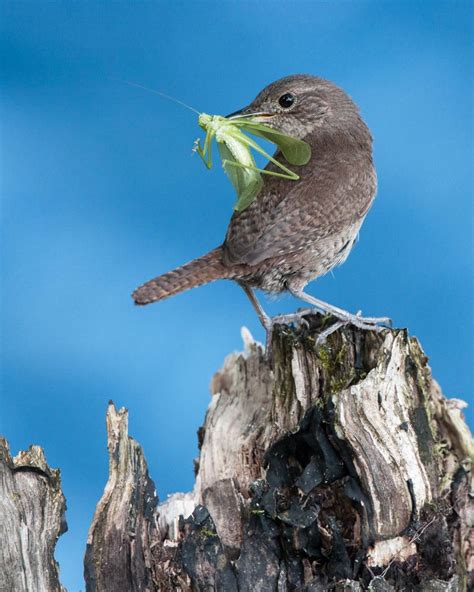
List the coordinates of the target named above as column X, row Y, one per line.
column 235, row 149
column 237, row 159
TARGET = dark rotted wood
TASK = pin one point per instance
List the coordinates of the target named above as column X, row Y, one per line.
column 337, row 467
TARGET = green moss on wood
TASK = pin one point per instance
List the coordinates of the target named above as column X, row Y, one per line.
column 335, row 361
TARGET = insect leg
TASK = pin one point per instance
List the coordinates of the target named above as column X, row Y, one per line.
column 289, row 174
column 206, row 152
column 249, row 167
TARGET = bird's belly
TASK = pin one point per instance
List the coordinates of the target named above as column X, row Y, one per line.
column 300, row 267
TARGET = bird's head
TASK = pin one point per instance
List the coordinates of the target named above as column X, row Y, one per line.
column 307, row 107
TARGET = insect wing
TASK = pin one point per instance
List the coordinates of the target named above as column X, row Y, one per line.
column 247, row 183
column 295, row 151
column 251, row 191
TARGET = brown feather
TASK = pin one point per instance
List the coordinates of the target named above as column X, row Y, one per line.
column 200, row 271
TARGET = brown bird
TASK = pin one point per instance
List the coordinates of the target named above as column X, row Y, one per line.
column 294, row 231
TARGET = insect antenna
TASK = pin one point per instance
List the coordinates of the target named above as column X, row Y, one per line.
column 161, row 94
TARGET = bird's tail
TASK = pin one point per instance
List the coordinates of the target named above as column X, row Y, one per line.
column 200, row 271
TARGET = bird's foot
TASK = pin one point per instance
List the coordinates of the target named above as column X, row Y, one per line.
column 297, row 319
column 342, row 319
column 293, row 318
column 366, row 323
column 376, row 324
column 339, row 317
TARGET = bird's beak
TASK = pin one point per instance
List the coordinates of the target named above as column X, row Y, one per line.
column 248, row 112
column 239, row 113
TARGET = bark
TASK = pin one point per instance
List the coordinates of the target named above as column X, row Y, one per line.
column 336, row 467
column 32, row 509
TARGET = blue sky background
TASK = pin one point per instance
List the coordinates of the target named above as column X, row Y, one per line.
column 100, row 192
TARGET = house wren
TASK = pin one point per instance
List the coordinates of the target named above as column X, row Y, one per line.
column 294, row 231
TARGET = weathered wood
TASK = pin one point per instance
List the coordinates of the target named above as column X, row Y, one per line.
column 124, row 529
column 338, row 467
column 32, row 509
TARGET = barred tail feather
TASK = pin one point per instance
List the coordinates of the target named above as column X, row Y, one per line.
column 200, row 271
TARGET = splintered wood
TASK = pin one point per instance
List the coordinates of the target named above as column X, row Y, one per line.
column 338, row 467
column 32, row 508
column 334, row 467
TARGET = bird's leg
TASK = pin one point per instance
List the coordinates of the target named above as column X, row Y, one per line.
column 269, row 322
column 262, row 315
column 266, row 321
column 344, row 317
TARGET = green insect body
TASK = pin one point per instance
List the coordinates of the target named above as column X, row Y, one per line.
column 235, row 149
column 237, row 159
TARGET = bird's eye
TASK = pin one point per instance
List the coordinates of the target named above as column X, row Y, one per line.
column 287, row 100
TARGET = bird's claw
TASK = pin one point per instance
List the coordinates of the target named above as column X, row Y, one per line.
column 374, row 320
column 296, row 318
column 376, row 324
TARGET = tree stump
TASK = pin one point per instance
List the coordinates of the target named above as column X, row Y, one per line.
column 336, row 467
